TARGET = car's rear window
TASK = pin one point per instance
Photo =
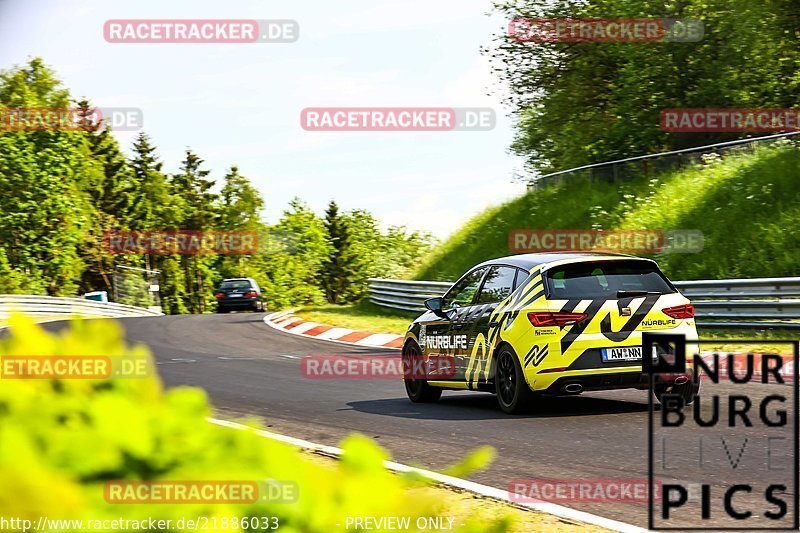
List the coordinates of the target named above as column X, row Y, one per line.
column 602, row 280
column 235, row 284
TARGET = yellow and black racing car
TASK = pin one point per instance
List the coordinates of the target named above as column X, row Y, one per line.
column 547, row 324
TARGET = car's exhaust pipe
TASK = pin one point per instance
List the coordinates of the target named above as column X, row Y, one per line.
column 573, row 388
column 680, row 380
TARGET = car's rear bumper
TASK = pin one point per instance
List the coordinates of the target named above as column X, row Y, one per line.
column 237, row 303
column 629, row 379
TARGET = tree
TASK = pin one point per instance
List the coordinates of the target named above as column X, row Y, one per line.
column 152, row 207
column 239, row 209
column 587, row 102
column 294, row 254
column 240, row 203
column 112, row 195
column 45, row 212
column 335, row 268
column 191, row 190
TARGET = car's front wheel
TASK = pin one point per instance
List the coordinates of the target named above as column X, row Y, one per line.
column 417, row 389
column 513, row 393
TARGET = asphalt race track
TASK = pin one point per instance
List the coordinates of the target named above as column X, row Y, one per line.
column 249, row 368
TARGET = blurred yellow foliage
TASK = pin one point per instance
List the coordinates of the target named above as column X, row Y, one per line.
column 61, row 440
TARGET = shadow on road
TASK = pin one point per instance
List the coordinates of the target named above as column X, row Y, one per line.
column 484, row 407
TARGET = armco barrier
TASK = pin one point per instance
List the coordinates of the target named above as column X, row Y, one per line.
column 51, row 306
column 740, row 303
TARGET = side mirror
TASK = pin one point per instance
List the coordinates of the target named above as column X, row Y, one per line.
column 435, row 305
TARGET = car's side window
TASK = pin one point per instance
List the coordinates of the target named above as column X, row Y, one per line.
column 522, row 275
column 462, row 293
column 498, row 285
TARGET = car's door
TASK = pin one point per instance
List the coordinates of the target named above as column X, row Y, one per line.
column 447, row 337
column 497, row 285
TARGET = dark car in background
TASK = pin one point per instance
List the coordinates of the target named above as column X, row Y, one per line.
column 239, row 294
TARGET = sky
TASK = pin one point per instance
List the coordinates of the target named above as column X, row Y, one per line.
column 240, row 104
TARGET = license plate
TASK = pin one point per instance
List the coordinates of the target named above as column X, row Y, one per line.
column 628, row 353
column 234, row 295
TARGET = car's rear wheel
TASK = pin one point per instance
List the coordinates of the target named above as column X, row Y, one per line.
column 513, row 394
column 222, row 310
column 687, row 391
column 417, row 389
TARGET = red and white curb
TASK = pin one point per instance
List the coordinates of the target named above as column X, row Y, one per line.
column 286, row 321
column 449, row 481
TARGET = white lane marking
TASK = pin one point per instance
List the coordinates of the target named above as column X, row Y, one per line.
column 237, row 358
column 289, row 356
column 305, row 326
column 335, row 333
column 378, row 339
column 463, row 484
column 176, row 360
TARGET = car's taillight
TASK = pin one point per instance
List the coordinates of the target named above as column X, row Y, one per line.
column 679, row 311
column 250, row 294
column 556, row 319
column 220, row 295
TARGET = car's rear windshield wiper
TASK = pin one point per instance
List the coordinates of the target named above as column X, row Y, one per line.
column 635, row 294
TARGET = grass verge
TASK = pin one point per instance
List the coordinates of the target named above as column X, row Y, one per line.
column 746, row 206
column 724, row 336
column 364, row 316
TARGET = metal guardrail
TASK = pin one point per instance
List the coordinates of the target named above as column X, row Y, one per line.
column 644, row 165
column 404, row 295
column 738, row 303
column 39, row 306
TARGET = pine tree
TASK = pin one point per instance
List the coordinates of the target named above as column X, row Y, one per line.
column 198, row 206
column 193, row 189
column 334, row 273
column 151, row 208
column 112, row 195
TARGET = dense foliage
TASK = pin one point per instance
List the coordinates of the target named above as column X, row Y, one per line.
column 588, row 102
column 61, row 190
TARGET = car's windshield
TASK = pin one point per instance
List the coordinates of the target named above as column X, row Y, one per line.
column 235, row 284
column 595, row 280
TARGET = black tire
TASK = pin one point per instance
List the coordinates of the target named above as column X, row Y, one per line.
column 687, row 391
column 513, row 393
column 222, row 310
column 418, row 390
